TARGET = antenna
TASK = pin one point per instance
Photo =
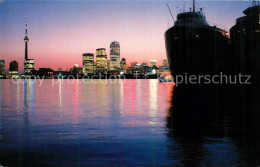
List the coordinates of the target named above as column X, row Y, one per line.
column 170, row 12
column 26, row 26
column 184, row 6
column 193, row 5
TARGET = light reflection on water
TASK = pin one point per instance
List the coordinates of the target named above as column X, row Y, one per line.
column 121, row 123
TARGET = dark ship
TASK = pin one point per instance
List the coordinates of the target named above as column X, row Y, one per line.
column 245, row 53
column 194, row 47
column 245, row 41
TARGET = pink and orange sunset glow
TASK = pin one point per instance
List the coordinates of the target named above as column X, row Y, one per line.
column 61, row 31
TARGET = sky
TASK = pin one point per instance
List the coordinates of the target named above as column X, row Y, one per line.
column 61, row 31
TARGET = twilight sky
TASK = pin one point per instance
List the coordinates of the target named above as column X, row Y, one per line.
column 60, row 31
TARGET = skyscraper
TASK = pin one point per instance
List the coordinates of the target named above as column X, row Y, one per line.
column 13, row 68
column 2, row 67
column 123, row 63
column 88, row 63
column 28, row 63
column 101, row 59
column 114, row 55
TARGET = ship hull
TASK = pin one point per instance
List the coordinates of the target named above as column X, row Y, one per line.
column 196, row 50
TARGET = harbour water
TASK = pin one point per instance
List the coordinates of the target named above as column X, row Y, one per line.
column 123, row 123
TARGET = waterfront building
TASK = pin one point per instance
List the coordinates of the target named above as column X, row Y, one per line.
column 152, row 63
column 45, row 73
column 28, row 63
column 101, row 60
column 123, row 63
column 155, row 69
column 76, row 70
column 60, row 74
column 114, row 55
column 132, row 64
column 88, row 63
column 2, row 67
column 13, row 68
column 28, row 66
column 145, row 64
column 165, row 63
column 145, row 68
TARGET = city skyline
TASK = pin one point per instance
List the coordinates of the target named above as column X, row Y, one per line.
column 58, row 37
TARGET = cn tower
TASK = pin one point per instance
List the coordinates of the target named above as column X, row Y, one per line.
column 28, row 63
column 26, row 39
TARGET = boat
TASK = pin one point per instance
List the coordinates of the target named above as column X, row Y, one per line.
column 194, row 47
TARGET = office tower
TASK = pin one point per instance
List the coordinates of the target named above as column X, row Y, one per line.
column 101, row 60
column 123, row 63
column 114, row 55
column 2, row 67
column 88, row 63
column 165, row 63
column 13, row 68
column 152, row 63
column 28, row 63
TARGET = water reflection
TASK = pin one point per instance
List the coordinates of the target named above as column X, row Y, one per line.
column 75, row 102
column 153, row 89
column 1, row 107
column 135, row 123
column 209, row 128
column 28, row 94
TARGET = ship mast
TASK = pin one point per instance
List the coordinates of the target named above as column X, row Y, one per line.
column 193, row 5
column 170, row 12
column 255, row 3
